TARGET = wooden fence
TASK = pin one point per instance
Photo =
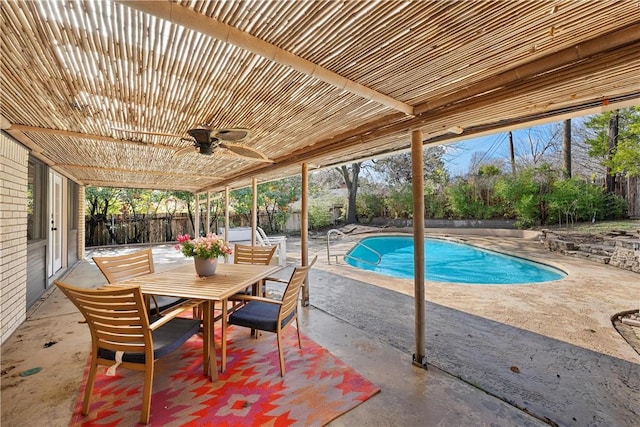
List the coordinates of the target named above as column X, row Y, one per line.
column 122, row 230
column 161, row 228
column 629, row 188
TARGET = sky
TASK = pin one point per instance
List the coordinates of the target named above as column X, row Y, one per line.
column 458, row 157
column 496, row 147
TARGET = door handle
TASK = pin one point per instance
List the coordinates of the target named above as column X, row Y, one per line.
column 54, row 228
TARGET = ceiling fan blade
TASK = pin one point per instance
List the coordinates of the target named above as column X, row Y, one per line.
column 245, row 152
column 237, row 134
column 143, row 132
column 185, row 150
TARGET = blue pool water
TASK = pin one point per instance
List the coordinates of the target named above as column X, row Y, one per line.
column 447, row 262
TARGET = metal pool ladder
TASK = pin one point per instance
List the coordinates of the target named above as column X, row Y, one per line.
column 331, row 253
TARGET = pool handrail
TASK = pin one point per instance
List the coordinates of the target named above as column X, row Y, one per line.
column 329, row 254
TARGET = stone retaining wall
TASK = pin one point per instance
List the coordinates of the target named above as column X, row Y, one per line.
column 618, row 249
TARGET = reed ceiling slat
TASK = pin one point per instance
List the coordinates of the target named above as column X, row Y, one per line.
column 94, row 67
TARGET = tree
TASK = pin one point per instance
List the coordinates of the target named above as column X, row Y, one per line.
column 241, row 200
column 397, row 170
column 539, row 145
column 187, row 199
column 274, row 197
column 350, row 174
column 623, row 157
column 566, row 148
column 216, row 209
column 612, row 144
column 100, row 201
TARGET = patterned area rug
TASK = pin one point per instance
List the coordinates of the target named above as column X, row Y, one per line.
column 317, row 387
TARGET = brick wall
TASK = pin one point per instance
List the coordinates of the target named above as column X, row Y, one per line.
column 81, row 227
column 13, row 235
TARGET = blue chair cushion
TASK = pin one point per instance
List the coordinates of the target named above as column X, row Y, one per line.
column 166, row 339
column 164, row 303
column 259, row 315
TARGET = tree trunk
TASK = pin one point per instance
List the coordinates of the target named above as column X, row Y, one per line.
column 613, row 143
column 512, row 154
column 566, row 149
column 350, row 176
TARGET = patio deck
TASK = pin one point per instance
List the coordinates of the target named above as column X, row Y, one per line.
column 573, row 368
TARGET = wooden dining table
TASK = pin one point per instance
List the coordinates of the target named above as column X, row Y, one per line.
column 182, row 282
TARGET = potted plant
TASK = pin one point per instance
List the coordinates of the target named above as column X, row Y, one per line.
column 205, row 251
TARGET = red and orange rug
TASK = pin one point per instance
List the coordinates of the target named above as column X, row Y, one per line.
column 316, row 389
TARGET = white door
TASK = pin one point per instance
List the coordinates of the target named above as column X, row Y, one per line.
column 55, row 223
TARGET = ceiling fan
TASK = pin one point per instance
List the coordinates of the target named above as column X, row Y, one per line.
column 206, row 140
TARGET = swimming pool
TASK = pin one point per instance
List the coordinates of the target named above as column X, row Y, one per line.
column 447, row 261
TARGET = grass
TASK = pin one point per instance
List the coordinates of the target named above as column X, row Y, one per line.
column 631, row 225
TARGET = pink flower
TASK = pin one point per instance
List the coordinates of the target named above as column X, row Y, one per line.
column 210, row 246
column 184, row 238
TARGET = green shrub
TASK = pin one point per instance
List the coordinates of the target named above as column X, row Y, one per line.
column 522, row 198
column 435, row 203
column 399, row 202
column 369, row 206
column 319, row 217
column 466, row 203
column 574, row 200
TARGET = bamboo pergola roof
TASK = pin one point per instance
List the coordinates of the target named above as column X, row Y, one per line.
column 88, row 85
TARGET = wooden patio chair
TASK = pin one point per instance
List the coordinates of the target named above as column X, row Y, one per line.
column 122, row 267
column 121, row 334
column 265, row 314
column 248, row 254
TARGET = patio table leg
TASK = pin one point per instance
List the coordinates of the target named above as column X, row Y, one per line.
column 223, row 345
column 210, row 364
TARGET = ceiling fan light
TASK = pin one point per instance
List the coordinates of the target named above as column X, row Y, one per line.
column 206, row 148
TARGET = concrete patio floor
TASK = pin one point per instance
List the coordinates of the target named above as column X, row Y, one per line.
column 520, row 355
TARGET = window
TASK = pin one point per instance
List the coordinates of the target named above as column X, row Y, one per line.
column 36, row 201
column 72, row 205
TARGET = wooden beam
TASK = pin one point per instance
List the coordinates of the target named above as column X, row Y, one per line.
column 137, row 185
column 419, row 358
column 24, row 128
column 135, row 171
column 562, row 58
column 254, row 209
column 226, row 213
column 208, row 227
column 304, row 230
column 189, row 18
column 196, row 223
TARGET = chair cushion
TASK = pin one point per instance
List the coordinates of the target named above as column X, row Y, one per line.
column 164, row 303
column 259, row 315
column 166, row 338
